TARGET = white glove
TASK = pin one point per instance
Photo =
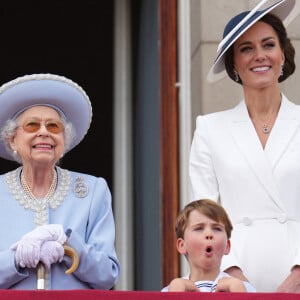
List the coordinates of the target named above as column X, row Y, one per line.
column 27, row 253
column 28, row 248
column 48, row 232
column 51, row 252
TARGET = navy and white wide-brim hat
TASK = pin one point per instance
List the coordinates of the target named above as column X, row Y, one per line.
column 51, row 90
column 286, row 10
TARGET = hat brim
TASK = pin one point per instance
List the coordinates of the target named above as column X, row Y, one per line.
column 50, row 90
column 286, row 10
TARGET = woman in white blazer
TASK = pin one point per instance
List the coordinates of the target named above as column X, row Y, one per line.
column 248, row 157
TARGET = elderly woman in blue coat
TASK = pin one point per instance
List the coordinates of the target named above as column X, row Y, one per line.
column 45, row 207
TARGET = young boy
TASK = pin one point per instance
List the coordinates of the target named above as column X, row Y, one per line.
column 203, row 231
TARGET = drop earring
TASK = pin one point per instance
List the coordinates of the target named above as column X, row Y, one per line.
column 236, row 76
column 281, row 72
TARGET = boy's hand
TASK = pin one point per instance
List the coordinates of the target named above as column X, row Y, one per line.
column 292, row 283
column 231, row 284
column 236, row 272
column 182, row 285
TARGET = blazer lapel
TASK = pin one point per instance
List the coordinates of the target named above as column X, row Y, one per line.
column 247, row 141
column 285, row 127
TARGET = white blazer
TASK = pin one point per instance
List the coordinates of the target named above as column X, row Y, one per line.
column 259, row 188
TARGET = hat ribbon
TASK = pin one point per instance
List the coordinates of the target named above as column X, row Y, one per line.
column 251, row 13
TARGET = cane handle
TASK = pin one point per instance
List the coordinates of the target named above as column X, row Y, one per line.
column 71, row 252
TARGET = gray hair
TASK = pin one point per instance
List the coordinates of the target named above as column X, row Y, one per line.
column 11, row 125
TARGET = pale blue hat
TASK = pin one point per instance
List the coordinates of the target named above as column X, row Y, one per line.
column 55, row 91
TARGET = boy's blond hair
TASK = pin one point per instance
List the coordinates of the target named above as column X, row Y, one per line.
column 207, row 207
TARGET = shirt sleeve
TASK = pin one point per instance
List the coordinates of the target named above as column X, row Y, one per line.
column 203, row 179
column 10, row 274
column 249, row 287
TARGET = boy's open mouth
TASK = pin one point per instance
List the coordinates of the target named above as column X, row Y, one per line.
column 208, row 249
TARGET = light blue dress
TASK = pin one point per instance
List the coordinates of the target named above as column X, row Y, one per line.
column 82, row 203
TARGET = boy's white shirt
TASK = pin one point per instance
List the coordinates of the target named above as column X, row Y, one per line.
column 210, row 286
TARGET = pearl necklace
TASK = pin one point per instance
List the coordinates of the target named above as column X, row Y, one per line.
column 39, row 206
column 29, row 193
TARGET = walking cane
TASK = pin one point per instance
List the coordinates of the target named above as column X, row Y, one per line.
column 41, row 270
